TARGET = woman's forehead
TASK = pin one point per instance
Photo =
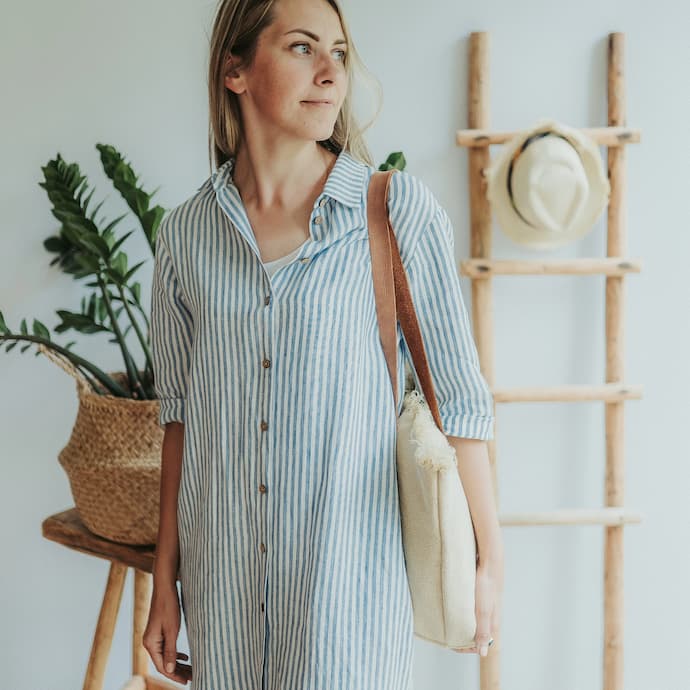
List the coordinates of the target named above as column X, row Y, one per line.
column 316, row 18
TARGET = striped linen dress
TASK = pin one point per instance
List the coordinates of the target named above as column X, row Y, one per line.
column 292, row 570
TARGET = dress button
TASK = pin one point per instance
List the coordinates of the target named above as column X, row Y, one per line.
column 264, row 425
column 318, row 220
column 267, row 363
column 267, row 300
column 305, row 260
column 323, row 202
column 263, row 547
column 262, row 488
column 262, row 605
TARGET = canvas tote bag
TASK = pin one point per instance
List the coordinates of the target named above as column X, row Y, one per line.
column 437, row 531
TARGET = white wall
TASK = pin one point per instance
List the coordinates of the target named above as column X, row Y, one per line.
column 132, row 74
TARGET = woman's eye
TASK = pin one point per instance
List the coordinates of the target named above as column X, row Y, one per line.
column 306, row 45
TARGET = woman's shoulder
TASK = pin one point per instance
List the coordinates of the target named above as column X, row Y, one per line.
column 409, row 196
column 412, row 206
column 186, row 215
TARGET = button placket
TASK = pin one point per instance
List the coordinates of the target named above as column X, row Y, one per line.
column 264, row 467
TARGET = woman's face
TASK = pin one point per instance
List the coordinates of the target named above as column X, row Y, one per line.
column 291, row 69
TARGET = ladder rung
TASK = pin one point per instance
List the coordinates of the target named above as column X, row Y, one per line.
column 604, row 136
column 584, row 516
column 610, row 266
column 607, row 392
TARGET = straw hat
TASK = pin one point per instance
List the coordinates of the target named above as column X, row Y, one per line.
column 548, row 185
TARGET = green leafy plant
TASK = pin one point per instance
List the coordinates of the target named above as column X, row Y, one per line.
column 88, row 249
column 395, row 160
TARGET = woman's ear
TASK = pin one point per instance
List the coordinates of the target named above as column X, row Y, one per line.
column 232, row 75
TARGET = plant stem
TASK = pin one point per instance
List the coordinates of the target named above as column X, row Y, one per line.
column 132, row 374
column 140, row 335
column 143, row 314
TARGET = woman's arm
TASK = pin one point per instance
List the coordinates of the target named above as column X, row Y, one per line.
column 475, row 475
column 163, row 626
column 168, row 548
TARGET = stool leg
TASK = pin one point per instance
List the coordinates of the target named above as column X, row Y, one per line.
column 103, row 637
column 142, row 603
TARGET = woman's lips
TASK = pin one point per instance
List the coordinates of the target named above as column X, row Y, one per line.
column 322, row 103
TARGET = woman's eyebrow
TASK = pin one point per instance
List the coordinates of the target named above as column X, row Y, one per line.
column 314, row 36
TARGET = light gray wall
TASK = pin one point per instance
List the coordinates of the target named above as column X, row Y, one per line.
column 132, row 74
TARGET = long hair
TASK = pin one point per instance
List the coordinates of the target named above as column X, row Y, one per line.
column 236, row 29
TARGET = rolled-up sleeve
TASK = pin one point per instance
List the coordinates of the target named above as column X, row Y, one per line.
column 465, row 401
column 171, row 336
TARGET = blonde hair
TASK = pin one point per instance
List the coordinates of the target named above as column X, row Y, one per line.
column 236, row 29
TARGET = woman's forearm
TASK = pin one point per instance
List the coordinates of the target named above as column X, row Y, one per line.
column 168, row 548
column 475, row 474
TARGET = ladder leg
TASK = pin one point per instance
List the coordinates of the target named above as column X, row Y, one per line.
column 613, row 613
column 482, row 290
column 103, row 637
column 142, row 602
column 615, row 495
column 615, row 338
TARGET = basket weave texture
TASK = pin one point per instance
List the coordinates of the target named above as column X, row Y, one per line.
column 113, row 460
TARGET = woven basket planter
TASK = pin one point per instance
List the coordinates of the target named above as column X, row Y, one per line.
column 113, row 460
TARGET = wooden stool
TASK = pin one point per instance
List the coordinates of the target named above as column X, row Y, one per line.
column 67, row 529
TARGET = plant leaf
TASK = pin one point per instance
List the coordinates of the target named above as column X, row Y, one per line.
column 40, row 329
column 89, row 263
column 120, row 263
column 117, row 244
column 133, row 270
column 55, row 244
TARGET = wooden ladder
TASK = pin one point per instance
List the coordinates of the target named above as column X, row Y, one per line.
column 481, row 269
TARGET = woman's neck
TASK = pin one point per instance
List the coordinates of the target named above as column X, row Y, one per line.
column 267, row 182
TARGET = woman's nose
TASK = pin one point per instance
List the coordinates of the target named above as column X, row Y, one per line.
column 327, row 68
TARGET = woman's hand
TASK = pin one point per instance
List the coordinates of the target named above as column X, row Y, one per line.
column 488, row 600
column 161, row 633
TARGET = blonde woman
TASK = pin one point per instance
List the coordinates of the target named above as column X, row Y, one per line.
column 279, row 508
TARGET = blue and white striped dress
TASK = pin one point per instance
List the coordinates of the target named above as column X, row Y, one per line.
column 292, row 569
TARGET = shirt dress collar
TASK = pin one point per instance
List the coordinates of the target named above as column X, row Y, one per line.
column 346, row 184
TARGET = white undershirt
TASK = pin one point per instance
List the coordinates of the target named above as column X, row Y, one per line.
column 273, row 266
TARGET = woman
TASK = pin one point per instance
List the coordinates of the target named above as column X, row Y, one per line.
column 279, row 499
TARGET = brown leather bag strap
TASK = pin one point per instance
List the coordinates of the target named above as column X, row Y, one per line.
column 392, row 293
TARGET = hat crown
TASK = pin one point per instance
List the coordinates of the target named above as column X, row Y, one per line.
column 549, row 184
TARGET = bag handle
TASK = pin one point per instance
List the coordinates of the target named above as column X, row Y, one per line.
column 392, row 293
column 83, row 383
